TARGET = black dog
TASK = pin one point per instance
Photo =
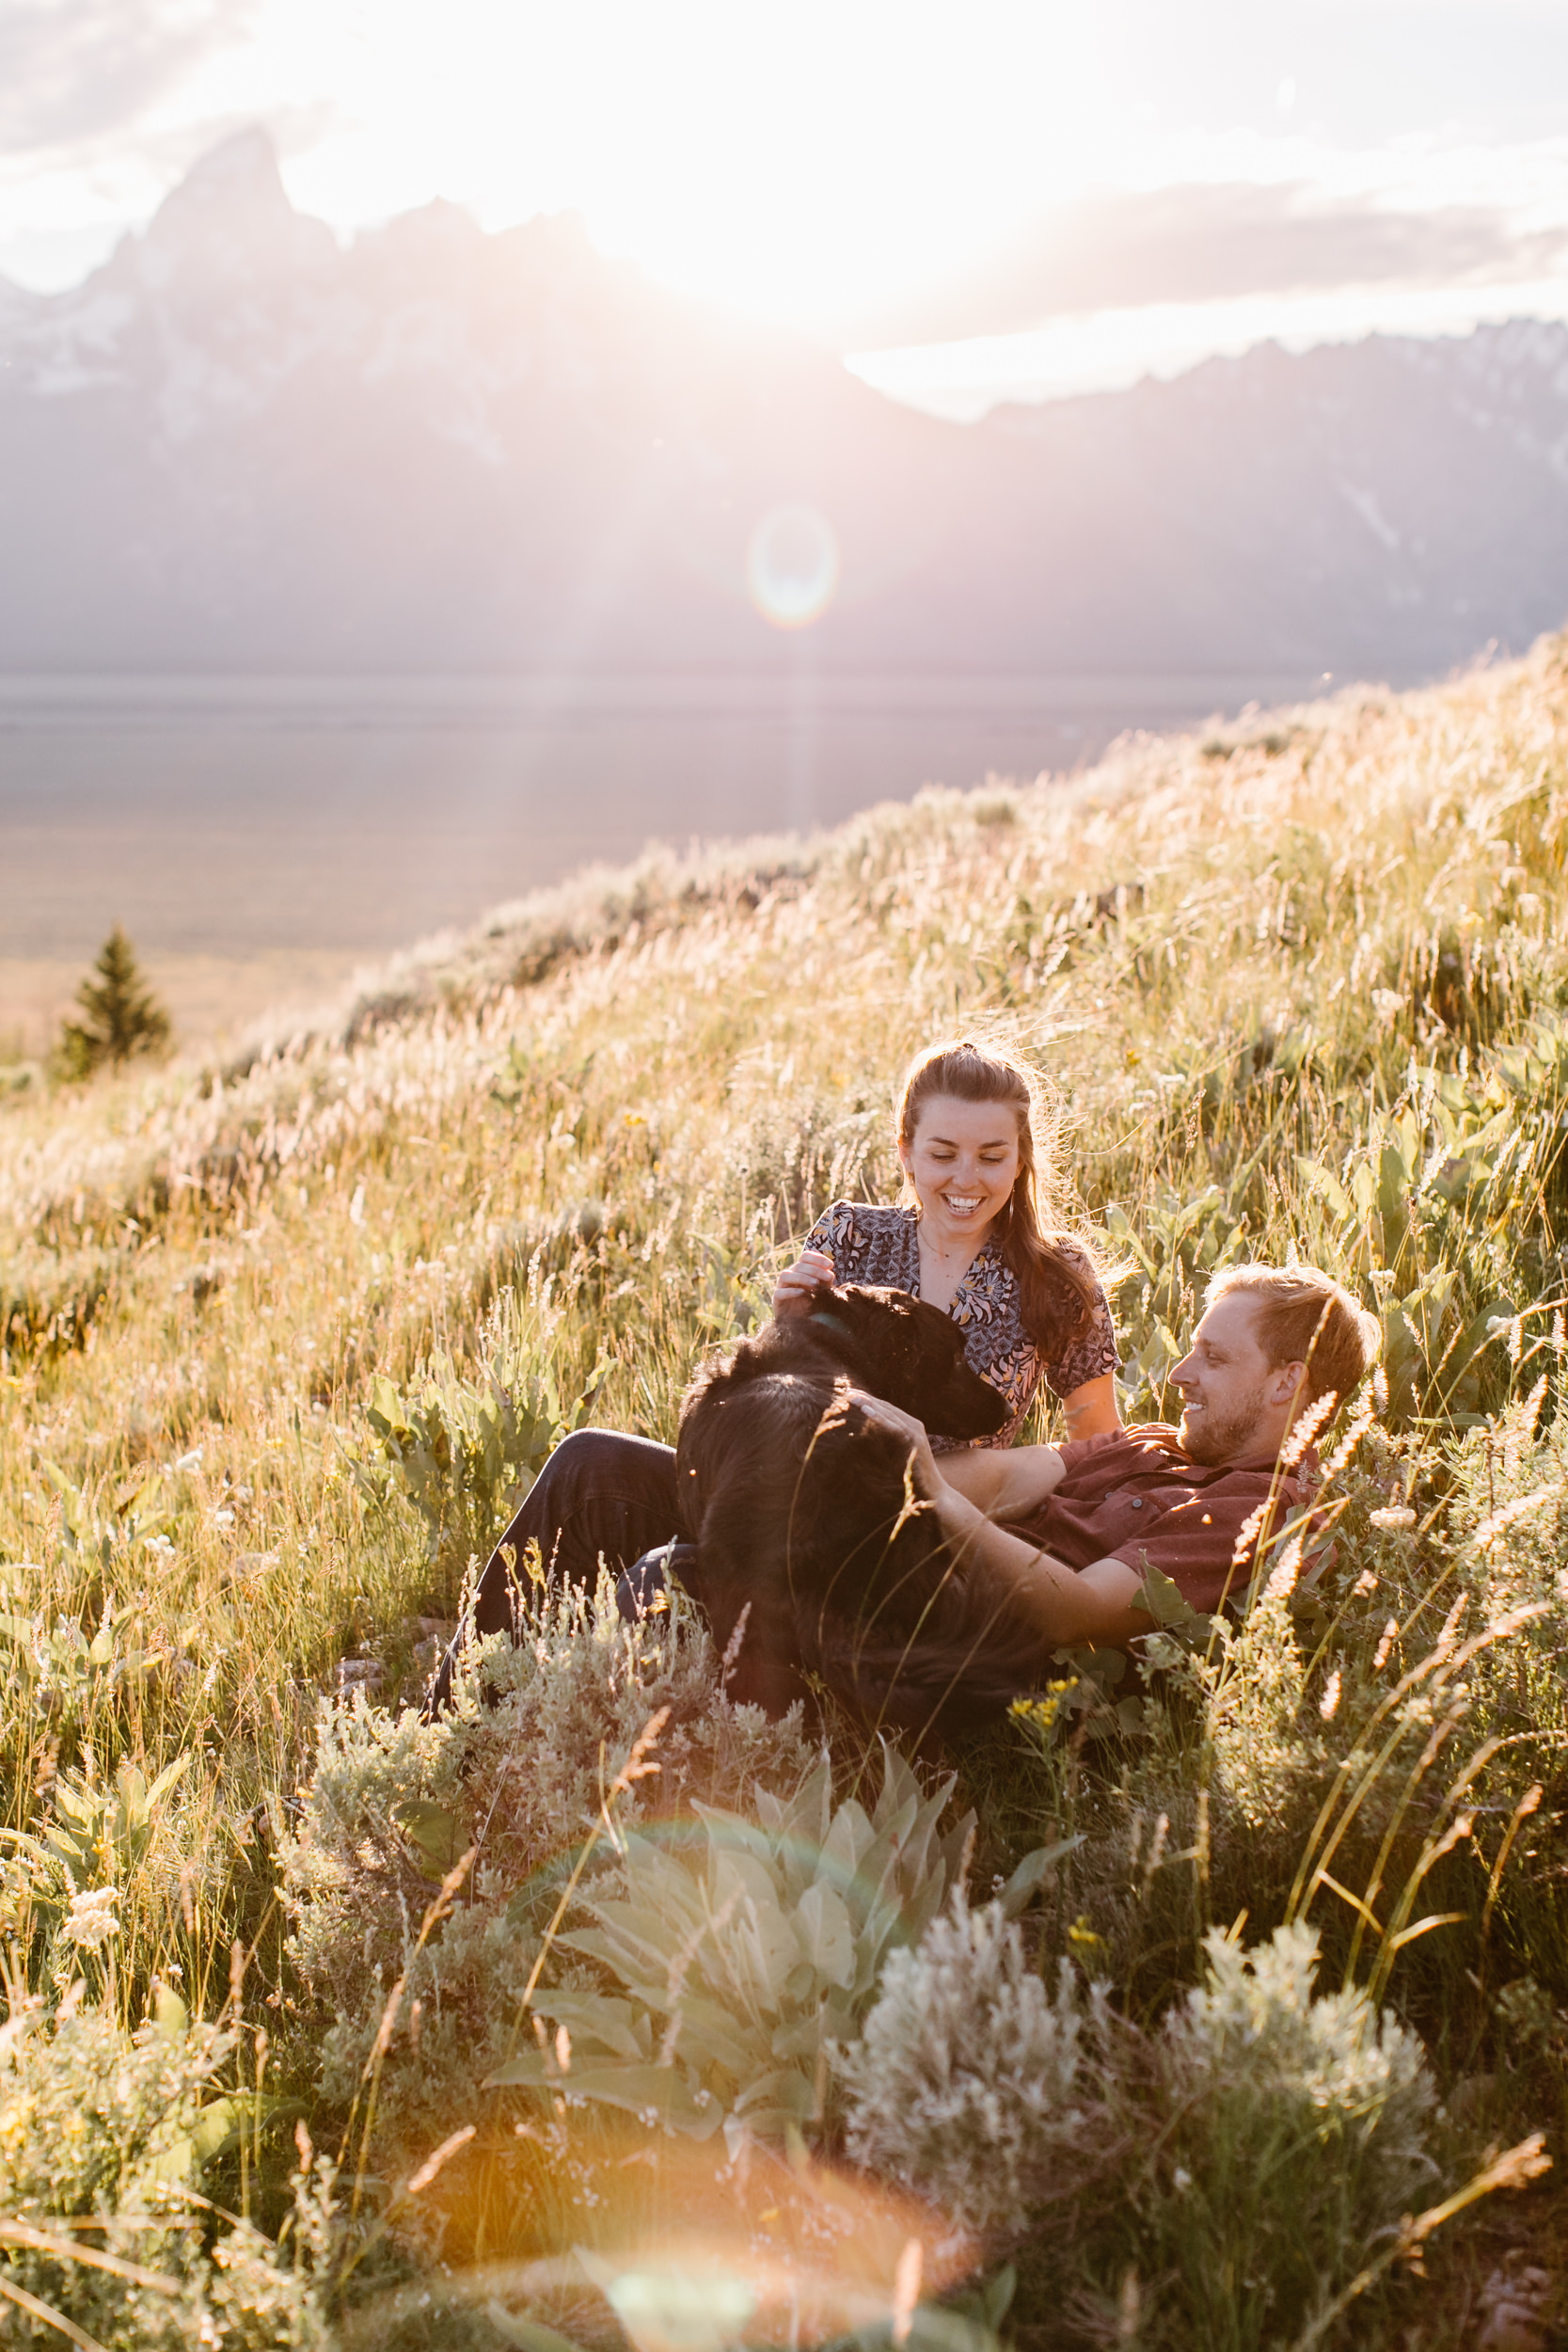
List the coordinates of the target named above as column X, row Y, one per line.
column 806, row 1522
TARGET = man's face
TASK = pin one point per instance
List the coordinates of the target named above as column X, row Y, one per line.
column 1227, row 1383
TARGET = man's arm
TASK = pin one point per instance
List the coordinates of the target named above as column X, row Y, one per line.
column 1063, row 1605
column 971, row 1491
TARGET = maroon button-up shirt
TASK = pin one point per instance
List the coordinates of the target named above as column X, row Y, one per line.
column 1135, row 1495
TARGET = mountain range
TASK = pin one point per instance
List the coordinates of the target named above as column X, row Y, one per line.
column 241, row 447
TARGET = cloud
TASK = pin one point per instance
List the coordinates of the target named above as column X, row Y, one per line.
column 1204, row 243
column 74, row 70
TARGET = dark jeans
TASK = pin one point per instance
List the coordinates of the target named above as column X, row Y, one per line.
column 599, row 1495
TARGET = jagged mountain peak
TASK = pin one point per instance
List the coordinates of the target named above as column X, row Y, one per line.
column 243, row 164
column 230, row 213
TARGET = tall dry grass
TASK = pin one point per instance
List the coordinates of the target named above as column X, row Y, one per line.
column 1300, row 986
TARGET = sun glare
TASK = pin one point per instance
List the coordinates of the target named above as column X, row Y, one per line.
column 791, row 162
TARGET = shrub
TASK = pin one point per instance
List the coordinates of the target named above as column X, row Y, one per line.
column 973, row 2082
column 94, row 2121
column 1242, row 2157
column 1297, row 2134
column 743, row 1953
column 519, row 1769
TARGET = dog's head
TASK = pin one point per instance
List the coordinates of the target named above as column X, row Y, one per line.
column 908, row 1352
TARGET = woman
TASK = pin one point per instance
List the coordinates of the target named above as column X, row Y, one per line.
column 969, row 1236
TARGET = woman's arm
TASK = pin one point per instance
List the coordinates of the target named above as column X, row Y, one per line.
column 1092, row 1411
column 1004, row 1482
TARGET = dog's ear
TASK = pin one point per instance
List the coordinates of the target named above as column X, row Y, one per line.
column 832, row 1316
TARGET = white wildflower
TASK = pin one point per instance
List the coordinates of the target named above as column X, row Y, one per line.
column 90, row 1921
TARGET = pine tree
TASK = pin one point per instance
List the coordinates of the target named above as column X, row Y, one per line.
column 122, row 1017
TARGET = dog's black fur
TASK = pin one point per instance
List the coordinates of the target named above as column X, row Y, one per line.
column 805, row 1519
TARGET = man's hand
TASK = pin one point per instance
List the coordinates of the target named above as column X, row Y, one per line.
column 798, row 1284
column 957, row 1518
column 956, row 1514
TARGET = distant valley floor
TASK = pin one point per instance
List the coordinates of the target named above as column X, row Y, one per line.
column 258, row 838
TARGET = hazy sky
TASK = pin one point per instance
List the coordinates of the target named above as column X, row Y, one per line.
column 1001, row 194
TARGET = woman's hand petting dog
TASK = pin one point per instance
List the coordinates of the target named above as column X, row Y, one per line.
column 798, row 1284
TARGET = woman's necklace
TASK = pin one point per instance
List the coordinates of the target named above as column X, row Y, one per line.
column 940, row 1279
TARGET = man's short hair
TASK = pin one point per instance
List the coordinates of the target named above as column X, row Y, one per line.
column 1304, row 1316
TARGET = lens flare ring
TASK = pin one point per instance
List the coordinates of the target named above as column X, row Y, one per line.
column 792, row 565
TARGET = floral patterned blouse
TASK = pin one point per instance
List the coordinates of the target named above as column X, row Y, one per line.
column 871, row 1245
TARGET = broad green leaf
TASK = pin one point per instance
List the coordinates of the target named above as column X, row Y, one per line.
column 787, row 2091
column 1327, row 1186
column 661, row 2091
column 850, row 1836
column 1032, row 1870
column 710, row 2034
column 826, row 1935
column 734, row 1873
column 1162, row 1602
column 531, row 2335
column 169, row 2013
column 166, row 1778
column 617, row 2024
column 680, row 2311
column 439, row 1838
column 223, row 2122
column 172, row 2159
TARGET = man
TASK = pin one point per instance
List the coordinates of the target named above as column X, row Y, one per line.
column 1053, row 1541
column 1063, row 1535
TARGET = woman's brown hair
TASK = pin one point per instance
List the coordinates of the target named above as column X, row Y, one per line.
column 1057, row 1290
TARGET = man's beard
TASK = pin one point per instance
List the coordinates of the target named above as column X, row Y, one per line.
column 1213, row 1438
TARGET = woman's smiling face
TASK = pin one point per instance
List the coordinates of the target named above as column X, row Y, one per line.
column 962, row 1162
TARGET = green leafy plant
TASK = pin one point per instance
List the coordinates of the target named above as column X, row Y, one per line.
column 77, row 1872
column 977, row 2085
column 465, row 1447
column 76, row 1676
column 102, row 1835
column 111, row 2126
column 742, row 1952
column 1298, row 2132
column 519, row 1769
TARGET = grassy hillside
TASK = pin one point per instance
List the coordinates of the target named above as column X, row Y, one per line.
column 280, row 1340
